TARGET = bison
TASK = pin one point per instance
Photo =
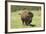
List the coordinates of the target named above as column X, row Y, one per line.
column 26, row 17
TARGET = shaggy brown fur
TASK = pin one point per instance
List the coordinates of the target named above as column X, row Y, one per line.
column 26, row 17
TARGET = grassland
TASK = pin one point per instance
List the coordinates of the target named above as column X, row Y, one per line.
column 17, row 23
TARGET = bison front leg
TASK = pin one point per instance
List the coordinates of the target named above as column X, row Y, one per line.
column 26, row 23
column 22, row 21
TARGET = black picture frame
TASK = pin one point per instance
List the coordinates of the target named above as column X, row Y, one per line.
column 6, row 16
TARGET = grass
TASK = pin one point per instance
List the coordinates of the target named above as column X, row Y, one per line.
column 17, row 23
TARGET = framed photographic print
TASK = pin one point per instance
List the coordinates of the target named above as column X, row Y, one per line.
column 25, row 16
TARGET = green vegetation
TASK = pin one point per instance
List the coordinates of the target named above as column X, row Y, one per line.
column 16, row 18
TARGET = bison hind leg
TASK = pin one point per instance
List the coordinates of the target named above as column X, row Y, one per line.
column 29, row 22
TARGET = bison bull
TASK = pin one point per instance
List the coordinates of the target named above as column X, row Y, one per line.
column 26, row 17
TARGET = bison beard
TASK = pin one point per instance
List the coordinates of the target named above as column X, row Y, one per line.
column 26, row 18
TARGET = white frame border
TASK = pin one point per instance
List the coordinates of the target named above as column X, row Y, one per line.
column 25, row 29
